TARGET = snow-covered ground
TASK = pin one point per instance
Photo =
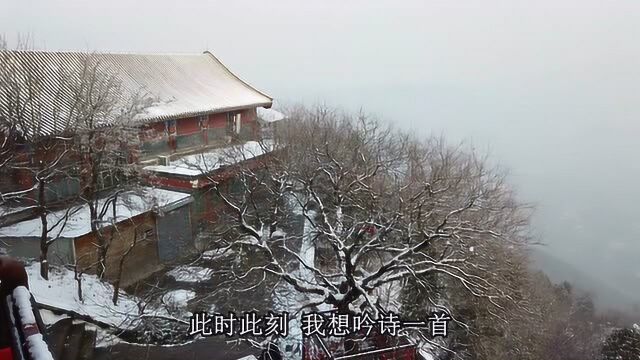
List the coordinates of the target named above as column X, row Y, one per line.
column 191, row 274
column 61, row 291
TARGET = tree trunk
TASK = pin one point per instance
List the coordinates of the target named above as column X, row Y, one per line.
column 102, row 256
column 44, row 265
column 116, row 284
column 44, row 246
column 78, row 277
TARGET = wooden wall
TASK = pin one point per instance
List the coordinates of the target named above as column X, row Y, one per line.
column 190, row 132
column 141, row 261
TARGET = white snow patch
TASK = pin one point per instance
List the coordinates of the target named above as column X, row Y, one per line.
column 213, row 308
column 307, row 249
column 269, row 115
column 61, row 291
column 38, row 348
column 191, row 274
column 199, row 164
column 49, row 318
column 426, row 355
column 104, row 338
column 286, row 298
column 129, row 204
column 248, row 357
column 178, row 299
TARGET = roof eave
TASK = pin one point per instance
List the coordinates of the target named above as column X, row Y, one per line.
column 238, row 78
column 201, row 113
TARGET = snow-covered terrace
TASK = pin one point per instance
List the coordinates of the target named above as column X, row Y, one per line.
column 204, row 163
column 78, row 223
column 269, row 115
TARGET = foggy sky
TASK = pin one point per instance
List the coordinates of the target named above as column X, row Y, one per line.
column 550, row 87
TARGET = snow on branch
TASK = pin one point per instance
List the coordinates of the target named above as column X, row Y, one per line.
column 373, row 207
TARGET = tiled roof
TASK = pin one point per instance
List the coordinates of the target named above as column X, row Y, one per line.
column 182, row 85
column 76, row 220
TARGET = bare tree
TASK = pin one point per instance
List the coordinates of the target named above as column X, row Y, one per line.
column 30, row 148
column 107, row 144
column 378, row 206
column 516, row 328
column 75, row 132
column 622, row 344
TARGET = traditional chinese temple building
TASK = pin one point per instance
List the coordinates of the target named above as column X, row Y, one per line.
column 195, row 113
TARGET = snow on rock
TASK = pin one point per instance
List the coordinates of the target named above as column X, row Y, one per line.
column 191, row 274
column 177, row 299
column 61, row 291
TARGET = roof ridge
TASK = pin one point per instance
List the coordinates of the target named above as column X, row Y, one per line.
column 184, row 85
column 101, row 52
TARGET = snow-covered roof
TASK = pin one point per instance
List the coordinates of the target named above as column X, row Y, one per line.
column 182, row 85
column 203, row 163
column 78, row 223
column 269, row 115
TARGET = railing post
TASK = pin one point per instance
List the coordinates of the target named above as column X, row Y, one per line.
column 22, row 329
